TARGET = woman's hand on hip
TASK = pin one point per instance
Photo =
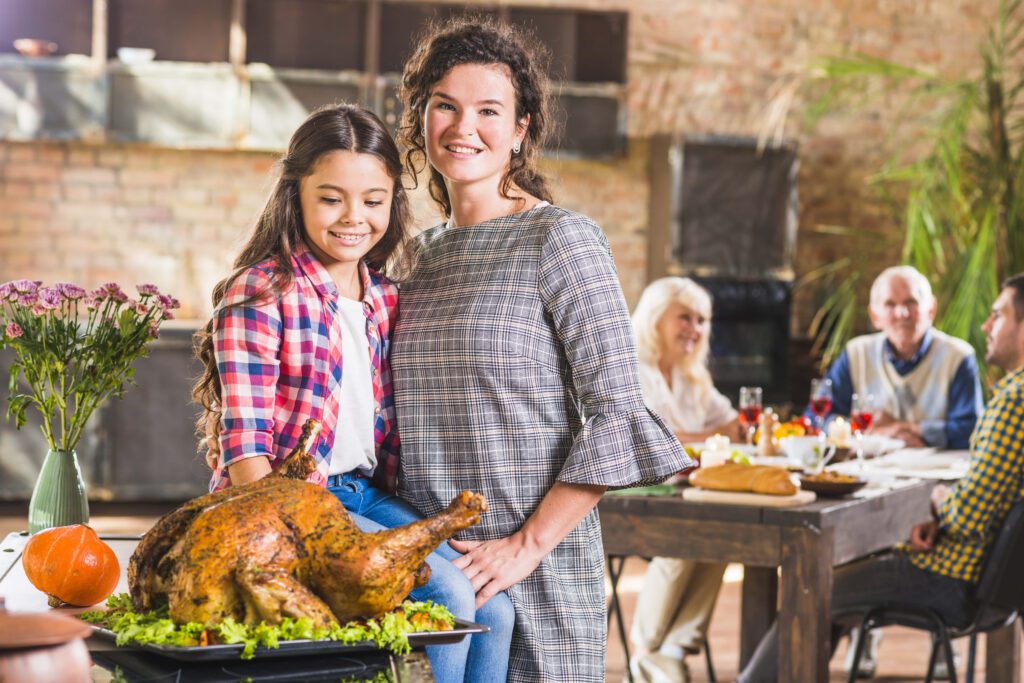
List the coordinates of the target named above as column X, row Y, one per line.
column 492, row 566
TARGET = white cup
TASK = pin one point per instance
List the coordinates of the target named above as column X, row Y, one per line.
column 803, row 450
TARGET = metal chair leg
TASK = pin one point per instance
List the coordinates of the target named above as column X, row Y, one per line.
column 707, row 661
column 971, row 652
column 614, row 607
column 932, row 659
column 950, row 663
column 858, row 652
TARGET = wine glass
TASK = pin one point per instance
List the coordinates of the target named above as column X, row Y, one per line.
column 750, row 410
column 821, row 401
column 862, row 414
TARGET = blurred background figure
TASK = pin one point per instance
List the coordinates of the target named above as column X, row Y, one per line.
column 924, row 383
column 671, row 322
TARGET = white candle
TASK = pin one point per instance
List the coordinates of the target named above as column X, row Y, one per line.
column 715, row 452
column 839, row 432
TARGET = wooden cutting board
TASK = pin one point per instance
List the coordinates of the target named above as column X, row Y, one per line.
column 698, row 495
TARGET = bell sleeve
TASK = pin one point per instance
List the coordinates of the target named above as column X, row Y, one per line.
column 621, row 443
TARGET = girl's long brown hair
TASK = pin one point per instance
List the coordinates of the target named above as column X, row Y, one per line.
column 279, row 228
column 477, row 41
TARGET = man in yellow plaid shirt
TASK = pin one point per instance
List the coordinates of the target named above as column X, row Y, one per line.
column 941, row 564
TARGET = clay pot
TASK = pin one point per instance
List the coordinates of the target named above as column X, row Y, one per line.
column 43, row 647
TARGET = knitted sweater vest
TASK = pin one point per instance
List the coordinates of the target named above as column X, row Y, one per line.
column 923, row 393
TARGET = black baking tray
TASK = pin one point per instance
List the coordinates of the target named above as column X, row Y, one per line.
column 292, row 648
column 135, row 666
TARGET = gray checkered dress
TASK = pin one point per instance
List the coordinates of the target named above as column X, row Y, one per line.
column 514, row 367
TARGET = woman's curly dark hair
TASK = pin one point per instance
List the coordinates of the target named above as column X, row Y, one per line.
column 474, row 40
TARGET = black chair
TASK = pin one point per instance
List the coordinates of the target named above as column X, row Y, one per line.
column 615, row 566
column 999, row 598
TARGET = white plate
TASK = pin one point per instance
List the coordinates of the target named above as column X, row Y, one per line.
column 875, row 445
column 744, row 448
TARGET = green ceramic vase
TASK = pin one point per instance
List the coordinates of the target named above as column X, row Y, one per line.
column 59, row 496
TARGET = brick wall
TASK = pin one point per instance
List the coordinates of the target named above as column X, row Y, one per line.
column 92, row 213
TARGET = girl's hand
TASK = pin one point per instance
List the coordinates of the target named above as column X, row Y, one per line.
column 493, row 566
column 212, row 442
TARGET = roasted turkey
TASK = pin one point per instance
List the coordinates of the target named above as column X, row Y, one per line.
column 282, row 547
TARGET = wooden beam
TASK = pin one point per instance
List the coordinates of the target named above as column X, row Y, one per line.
column 237, row 40
column 659, row 210
column 99, row 31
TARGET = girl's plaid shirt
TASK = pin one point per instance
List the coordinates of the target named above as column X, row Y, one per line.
column 278, row 356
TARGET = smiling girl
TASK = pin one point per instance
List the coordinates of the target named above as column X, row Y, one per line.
column 302, row 329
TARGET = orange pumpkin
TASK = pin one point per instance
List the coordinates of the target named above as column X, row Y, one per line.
column 71, row 565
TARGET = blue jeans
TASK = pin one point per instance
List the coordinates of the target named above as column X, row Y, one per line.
column 479, row 658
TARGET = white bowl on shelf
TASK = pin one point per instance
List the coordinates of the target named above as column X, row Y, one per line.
column 35, row 47
column 135, row 55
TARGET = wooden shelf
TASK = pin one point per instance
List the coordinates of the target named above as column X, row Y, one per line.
column 251, row 70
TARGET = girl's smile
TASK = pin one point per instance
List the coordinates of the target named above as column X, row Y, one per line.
column 346, row 207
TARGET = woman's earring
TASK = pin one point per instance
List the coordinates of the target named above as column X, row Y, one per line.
column 516, row 147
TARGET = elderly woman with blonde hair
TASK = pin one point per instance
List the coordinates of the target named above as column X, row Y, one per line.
column 672, row 322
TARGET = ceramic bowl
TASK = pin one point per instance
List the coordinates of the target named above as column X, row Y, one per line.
column 807, row 450
column 135, row 55
column 35, row 47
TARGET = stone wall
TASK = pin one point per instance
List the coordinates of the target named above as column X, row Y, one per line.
column 92, row 213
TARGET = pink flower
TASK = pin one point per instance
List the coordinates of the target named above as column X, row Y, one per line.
column 148, row 290
column 13, row 330
column 39, row 309
column 168, row 303
column 154, row 330
column 140, row 308
column 91, row 303
column 6, row 289
column 26, row 286
column 98, row 295
column 27, row 300
column 50, row 298
column 115, row 292
column 70, row 291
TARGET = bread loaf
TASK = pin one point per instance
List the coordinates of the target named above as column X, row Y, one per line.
column 732, row 476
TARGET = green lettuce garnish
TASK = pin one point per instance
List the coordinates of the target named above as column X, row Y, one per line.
column 388, row 632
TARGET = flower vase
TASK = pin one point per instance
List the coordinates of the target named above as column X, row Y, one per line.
column 59, row 496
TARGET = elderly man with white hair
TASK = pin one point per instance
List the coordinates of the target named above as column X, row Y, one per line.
column 924, row 382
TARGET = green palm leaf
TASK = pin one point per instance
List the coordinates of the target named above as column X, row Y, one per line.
column 960, row 203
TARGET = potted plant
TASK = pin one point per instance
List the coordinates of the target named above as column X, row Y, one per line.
column 72, row 349
column 959, row 198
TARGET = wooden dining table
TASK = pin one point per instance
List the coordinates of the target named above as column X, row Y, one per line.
column 806, row 542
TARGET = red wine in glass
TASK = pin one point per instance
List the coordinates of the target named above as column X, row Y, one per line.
column 821, row 406
column 749, row 415
column 750, row 410
column 861, row 420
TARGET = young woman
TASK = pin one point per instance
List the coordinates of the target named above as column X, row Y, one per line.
column 514, row 365
column 302, row 329
column 672, row 321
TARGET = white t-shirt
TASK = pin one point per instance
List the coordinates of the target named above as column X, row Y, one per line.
column 353, row 439
column 684, row 407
